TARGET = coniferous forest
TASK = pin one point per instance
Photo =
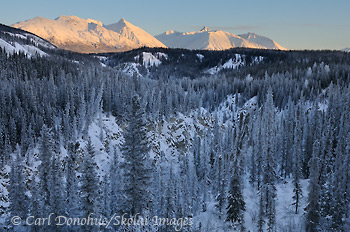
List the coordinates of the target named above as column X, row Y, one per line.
column 261, row 147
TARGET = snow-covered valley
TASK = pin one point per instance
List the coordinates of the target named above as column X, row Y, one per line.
column 234, row 140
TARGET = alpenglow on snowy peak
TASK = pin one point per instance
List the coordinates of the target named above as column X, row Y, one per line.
column 92, row 36
column 134, row 33
column 262, row 40
column 209, row 39
column 89, row 35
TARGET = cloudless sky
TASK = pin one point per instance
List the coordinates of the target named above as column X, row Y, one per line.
column 295, row 24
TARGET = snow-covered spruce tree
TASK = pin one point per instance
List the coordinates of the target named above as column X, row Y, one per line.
column 235, row 203
column 72, row 183
column 341, row 173
column 221, row 196
column 346, row 167
column 17, row 189
column 185, row 181
column 115, row 183
column 269, row 168
column 56, row 190
column 287, row 141
column 313, row 206
column 46, row 154
column 297, row 160
column 89, row 185
column 261, row 215
column 106, row 200
column 136, row 165
column 258, row 143
column 169, row 199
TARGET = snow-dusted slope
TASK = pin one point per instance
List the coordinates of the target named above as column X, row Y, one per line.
column 150, row 60
column 346, row 49
column 262, row 40
column 15, row 47
column 13, row 40
column 135, row 34
column 82, row 35
column 213, row 40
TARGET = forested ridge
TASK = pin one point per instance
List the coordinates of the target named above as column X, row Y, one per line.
column 190, row 144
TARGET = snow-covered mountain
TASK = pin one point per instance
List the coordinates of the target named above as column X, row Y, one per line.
column 262, row 40
column 214, row 40
column 346, row 49
column 88, row 35
column 134, row 33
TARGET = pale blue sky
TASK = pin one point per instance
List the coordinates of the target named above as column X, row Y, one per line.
column 295, row 24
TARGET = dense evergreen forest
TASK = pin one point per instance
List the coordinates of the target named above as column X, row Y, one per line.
column 188, row 144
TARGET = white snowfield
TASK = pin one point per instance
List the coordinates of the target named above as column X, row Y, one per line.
column 346, row 49
column 89, row 35
column 209, row 39
column 28, row 50
column 150, row 60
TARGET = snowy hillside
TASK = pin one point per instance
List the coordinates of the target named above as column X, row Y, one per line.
column 213, row 40
column 87, row 35
column 18, row 41
column 229, row 140
column 346, row 50
column 146, row 62
column 28, row 50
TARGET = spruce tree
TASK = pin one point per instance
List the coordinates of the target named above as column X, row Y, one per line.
column 56, row 190
column 235, row 202
column 136, row 164
column 72, row 182
column 46, row 147
column 17, row 189
column 89, row 184
column 313, row 205
column 297, row 161
column 35, row 207
column 115, row 183
column 261, row 219
column 269, row 172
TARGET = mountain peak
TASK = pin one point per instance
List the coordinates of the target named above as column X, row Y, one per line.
column 134, row 33
column 216, row 40
column 205, row 28
column 68, row 18
column 123, row 22
column 89, row 35
column 262, row 40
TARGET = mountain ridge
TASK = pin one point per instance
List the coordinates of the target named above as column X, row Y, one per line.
column 85, row 35
column 209, row 39
column 92, row 36
column 134, row 33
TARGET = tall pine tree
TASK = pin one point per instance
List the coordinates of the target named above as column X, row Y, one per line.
column 136, row 165
column 89, row 185
column 313, row 206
